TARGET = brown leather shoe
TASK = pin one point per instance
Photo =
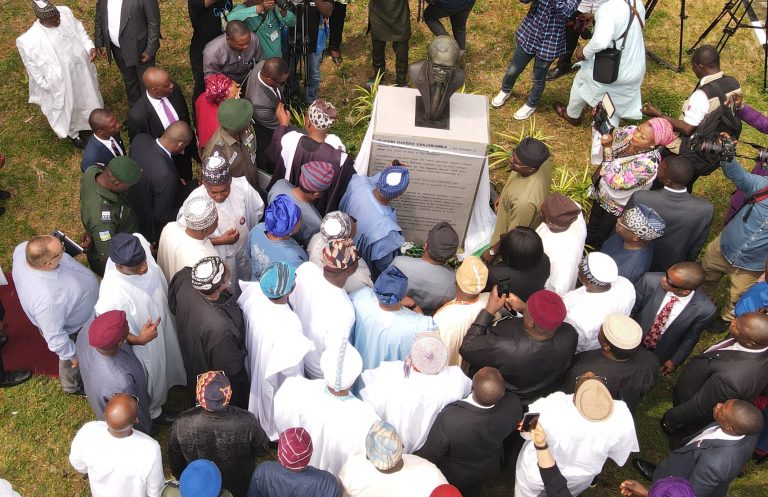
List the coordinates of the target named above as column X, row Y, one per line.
column 560, row 111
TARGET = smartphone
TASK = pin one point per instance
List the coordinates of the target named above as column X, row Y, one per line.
column 530, row 420
column 503, row 286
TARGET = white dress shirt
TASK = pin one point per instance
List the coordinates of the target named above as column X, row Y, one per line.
column 108, row 144
column 679, row 307
column 157, row 104
column 713, row 433
column 114, row 11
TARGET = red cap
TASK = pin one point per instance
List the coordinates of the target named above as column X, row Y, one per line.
column 546, row 309
column 108, row 330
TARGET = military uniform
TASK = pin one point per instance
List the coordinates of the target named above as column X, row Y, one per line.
column 104, row 214
column 239, row 152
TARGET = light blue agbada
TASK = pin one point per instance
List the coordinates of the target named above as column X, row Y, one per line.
column 381, row 335
column 263, row 251
column 378, row 237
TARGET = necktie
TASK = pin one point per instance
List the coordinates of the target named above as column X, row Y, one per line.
column 652, row 338
column 720, row 346
column 115, row 148
column 168, row 112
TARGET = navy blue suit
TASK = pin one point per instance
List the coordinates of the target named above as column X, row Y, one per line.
column 97, row 153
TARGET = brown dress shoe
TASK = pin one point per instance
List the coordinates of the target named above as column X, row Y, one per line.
column 560, row 111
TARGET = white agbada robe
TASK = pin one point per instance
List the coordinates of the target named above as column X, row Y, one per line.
column 611, row 20
column 453, row 321
column 338, row 425
column 142, row 297
column 62, row 80
column 587, row 311
column 565, row 250
column 242, row 209
column 412, row 403
column 417, row 478
column 357, row 280
column 324, row 310
column 579, row 446
column 177, row 250
column 276, row 349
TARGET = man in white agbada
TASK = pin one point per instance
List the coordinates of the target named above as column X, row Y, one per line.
column 455, row 317
column 58, row 56
column 337, row 225
column 337, row 420
column 134, row 283
column 583, row 430
column 239, row 208
column 409, row 395
column 611, row 20
column 320, row 301
column 603, row 293
column 182, row 246
column 276, row 346
column 563, row 232
column 384, row 471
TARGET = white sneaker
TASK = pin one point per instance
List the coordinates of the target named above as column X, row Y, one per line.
column 499, row 99
column 524, row 112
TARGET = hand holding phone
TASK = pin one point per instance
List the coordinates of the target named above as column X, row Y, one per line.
column 503, row 286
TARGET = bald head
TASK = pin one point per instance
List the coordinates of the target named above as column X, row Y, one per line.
column 41, row 249
column 121, row 413
column 236, row 29
column 689, row 275
column 488, row 386
column 177, row 136
column 751, row 330
column 745, row 418
column 275, row 68
column 158, row 82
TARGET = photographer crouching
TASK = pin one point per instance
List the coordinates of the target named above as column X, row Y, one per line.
column 630, row 160
column 266, row 21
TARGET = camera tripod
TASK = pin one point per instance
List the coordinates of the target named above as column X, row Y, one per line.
column 298, row 52
column 735, row 11
column 679, row 67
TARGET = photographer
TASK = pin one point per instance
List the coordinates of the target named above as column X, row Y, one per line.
column 310, row 13
column 631, row 159
column 739, row 250
column 266, row 21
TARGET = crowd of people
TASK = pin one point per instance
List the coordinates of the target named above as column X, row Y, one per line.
column 275, row 289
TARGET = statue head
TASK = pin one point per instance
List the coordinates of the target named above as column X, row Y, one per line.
column 443, row 55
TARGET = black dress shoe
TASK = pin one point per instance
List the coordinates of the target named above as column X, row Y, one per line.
column 78, row 142
column 558, row 72
column 165, row 418
column 644, row 468
column 13, row 378
column 4, row 195
column 719, row 325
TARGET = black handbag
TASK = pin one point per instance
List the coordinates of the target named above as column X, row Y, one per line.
column 606, row 66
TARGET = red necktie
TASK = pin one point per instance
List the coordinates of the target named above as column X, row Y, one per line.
column 652, row 338
column 168, row 113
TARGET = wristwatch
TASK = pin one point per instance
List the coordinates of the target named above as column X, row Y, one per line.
column 541, row 447
column 492, row 252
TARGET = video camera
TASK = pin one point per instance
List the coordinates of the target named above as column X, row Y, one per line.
column 723, row 146
column 288, row 4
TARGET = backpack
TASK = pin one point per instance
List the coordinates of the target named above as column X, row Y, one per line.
column 722, row 119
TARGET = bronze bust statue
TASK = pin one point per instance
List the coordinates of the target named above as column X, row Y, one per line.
column 437, row 78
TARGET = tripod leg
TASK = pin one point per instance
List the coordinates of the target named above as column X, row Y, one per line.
column 711, row 26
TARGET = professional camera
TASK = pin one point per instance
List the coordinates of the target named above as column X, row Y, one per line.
column 762, row 157
column 723, row 146
column 288, row 4
column 600, row 120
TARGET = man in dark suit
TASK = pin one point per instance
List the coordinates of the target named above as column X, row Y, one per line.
column 263, row 89
column 133, row 42
column 732, row 369
column 715, row 455
column 672, row 312
column 157, row 196
column 466, row 439
column 687, row 217
column 159, row 107
column 105, row 143
column 532, row 353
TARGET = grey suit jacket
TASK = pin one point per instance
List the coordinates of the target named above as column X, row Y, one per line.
column 263, row 99
column 683, row 333
column 708, row 465
column 687, row 218
column 139, row 29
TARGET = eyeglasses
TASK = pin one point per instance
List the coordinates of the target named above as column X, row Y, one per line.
column 581, row 379
column 60, row 254
column 669, row 282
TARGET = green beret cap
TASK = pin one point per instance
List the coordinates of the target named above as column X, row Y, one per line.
column 235, row 114
column 125, row 169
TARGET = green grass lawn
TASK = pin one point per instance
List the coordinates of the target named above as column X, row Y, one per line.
column 38, row 421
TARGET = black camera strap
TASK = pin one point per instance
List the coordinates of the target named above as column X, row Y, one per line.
column 753, row 199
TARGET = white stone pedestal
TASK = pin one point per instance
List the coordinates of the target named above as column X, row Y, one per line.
column 445, row 165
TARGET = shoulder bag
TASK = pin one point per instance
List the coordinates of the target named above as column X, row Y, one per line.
column 606, row 67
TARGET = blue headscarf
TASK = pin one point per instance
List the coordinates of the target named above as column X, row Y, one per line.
column 389, row 176
column 281, row 216
column 390, row 286
column 277, row 280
